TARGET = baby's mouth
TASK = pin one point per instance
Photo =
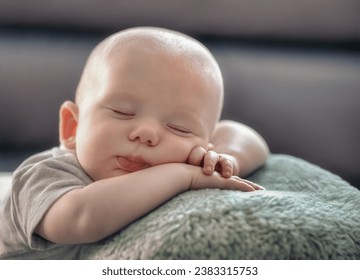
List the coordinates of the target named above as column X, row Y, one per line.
column 132, row 164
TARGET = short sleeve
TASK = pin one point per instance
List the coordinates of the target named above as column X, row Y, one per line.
column 37, row 184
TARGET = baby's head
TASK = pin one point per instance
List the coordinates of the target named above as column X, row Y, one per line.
column 147, row 96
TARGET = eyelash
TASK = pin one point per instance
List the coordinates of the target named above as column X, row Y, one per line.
column 180, row 129
column 123, row 114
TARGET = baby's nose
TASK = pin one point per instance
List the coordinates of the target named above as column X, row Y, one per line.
column 145, row 134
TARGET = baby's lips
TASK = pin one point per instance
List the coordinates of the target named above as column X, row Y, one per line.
column 132, row 164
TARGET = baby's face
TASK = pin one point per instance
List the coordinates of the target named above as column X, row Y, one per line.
column 149, row 109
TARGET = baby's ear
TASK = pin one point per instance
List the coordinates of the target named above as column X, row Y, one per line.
column 68, row 124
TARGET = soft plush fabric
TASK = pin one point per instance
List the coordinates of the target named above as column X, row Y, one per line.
column 305, row 213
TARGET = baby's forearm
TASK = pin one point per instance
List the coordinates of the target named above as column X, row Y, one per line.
column 92, row 213
column 243, row 143
column 98, row 210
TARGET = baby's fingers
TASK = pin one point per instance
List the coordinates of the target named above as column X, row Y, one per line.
column 210, row 160
column 248, row 183
column 226, row 166
column 216, row 180
column 236, row 183
column 196, row 156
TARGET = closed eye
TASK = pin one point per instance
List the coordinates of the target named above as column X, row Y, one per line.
column 122, row 114
column 179, row 129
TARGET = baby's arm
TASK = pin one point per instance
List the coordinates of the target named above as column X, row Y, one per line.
column 235, row 149
column 91, row 213
column 241, row 144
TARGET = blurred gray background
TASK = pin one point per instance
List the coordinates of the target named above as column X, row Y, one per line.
column 291, row 68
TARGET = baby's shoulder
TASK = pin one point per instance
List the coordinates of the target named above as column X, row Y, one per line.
column 56, row 155
column 54, row 164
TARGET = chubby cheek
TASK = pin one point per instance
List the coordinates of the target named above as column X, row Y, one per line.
column 93, row 149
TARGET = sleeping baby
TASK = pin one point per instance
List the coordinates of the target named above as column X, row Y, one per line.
column 144, row 127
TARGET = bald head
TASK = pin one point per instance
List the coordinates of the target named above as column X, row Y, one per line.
column 150, row 39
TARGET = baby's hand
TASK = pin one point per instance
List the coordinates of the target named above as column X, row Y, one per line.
column 211, row 161
column 215, row 180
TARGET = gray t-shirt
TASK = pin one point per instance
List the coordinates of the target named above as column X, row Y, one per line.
column 37, row 184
